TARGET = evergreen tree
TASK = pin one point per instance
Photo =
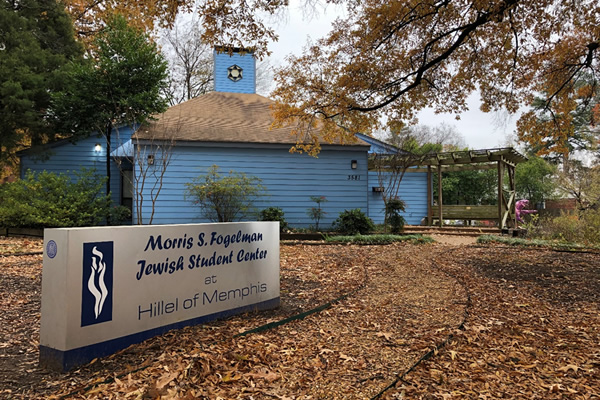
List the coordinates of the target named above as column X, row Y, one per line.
column 120, row 84
column 36, row 42
column 535, row 180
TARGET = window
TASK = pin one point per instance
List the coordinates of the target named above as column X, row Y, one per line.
column 127, row 189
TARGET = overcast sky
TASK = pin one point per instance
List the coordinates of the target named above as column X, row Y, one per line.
column 479, row 130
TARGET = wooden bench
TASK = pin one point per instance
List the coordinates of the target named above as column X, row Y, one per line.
column 466, row 212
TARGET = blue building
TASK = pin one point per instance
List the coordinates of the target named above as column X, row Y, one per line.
column 231, row 128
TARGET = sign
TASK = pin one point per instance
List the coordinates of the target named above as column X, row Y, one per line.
column 106, row 288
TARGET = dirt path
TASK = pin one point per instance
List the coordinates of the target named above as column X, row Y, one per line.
column 454, row 240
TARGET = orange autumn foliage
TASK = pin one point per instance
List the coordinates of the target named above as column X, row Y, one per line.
column 89, row 16
column 386, row 60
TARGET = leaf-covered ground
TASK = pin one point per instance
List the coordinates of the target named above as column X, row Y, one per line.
column 532, row 330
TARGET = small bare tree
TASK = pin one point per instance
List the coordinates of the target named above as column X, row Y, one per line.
column 152, row 159
column 149, row 158
column 264, row 77
column 391, row 168
column 444, row 136
column 407, row 148
column 410, row 145
column 582, row 183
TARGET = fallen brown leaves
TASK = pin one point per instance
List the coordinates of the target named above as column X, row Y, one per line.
column 519, row 341
column 530, row 335
column 20, row 285
column 12, row 246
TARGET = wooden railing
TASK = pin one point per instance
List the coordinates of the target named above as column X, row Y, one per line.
column 466, row 212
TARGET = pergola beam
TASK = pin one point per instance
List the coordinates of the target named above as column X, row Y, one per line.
column 456, row 160
column 508, row 155
column 455, row 168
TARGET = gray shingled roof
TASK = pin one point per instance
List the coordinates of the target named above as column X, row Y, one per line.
column 220, row 117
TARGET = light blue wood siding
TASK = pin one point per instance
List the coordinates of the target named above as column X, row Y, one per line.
column 413, row 191
column 289, row 178
column 67, row 158
column 246, row 61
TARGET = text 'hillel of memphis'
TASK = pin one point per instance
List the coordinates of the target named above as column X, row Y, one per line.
column 162, row 307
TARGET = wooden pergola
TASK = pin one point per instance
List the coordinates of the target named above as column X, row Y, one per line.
column 502, row 159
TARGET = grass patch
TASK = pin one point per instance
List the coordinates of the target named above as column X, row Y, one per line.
column 379, row 239
column 560, row 245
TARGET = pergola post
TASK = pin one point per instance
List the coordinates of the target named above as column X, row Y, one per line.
column 501, row 201
column 508, row 217
column 429, row 196
column 513, row 191
column 441, row 221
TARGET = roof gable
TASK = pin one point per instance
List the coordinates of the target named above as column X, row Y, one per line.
column 380, row 147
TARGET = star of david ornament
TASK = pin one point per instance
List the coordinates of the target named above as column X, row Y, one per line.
column 234, row 73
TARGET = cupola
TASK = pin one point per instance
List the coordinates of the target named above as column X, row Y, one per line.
column 234, row 70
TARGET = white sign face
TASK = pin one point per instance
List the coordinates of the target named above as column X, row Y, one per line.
column 106, row 288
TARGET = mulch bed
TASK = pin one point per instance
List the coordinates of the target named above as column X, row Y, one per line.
column 532, row 331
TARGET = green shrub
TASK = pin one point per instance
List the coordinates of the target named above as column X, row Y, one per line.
column 352, row 222
column 225, row 198
column 396, row 221
column 118, row 215
column 560, row 245
column 571, row 228
column 274, row 214
column 380, row 239
column 48, row 200
column 591, row 227
column 565, row 227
